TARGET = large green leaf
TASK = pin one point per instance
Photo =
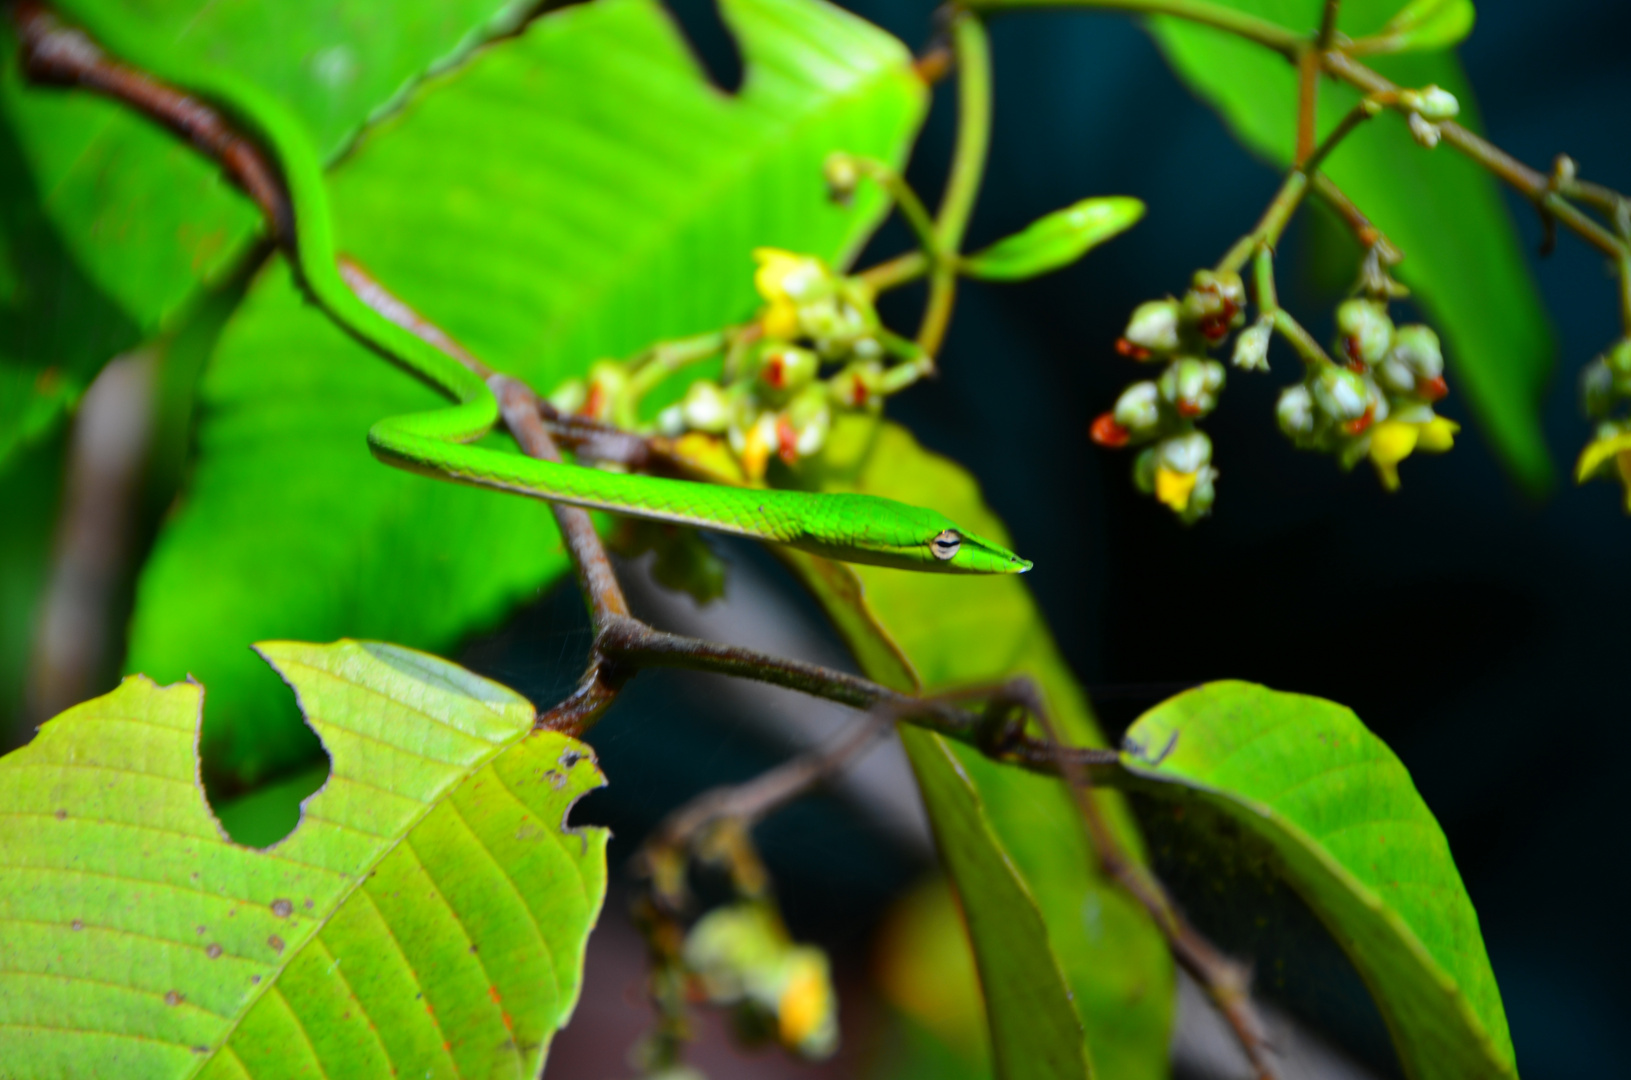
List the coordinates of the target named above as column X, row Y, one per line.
column 1344, row 825
column 131, row 221
column 427, row 918
column 576, row 192
column 1462, row 254
column 1034, row 1030
column 938, row 632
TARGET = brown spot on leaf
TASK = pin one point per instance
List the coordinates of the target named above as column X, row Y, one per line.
column 201, row 929
column 213, row 952
column 281, row 908
column 308, row 903
column 276, row 943
column 173, row 998
column 77, row 924
column 254, row 978
column 62, row 815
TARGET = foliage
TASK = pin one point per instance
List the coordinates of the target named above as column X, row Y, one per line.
column 430, row 912
column 567, row 196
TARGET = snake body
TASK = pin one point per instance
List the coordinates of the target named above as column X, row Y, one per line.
column 848, row 527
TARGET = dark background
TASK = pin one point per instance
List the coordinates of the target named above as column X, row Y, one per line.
column 1479, row 632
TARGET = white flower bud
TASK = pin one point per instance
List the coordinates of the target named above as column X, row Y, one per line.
column 1191, row 386
column 1154, row 326
column 1201, row 499
column 1425, row 132
column 705, row 407
column 671, row 421
column 1417, row 348
column 1341, row 395
column 842, row 177
column 1187, row 453
column 1432, row 103
column 1138, row 409
column 1252, row 347
column 1364, row 330
column 1597, row 388
column 1295, row 411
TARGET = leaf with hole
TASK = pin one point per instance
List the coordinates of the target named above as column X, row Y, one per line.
column 576, row 192
column 427, row 917
column 1054, row 240
column 1342, row 823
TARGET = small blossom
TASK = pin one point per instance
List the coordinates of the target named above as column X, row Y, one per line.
column 1391, row 441
column 1252, row 347
column 1138, row 409
column 1152, row 331
column 1609, row 455
column 1364, row 331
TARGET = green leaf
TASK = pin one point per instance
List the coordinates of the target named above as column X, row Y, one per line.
column 57, row 327
column 1348, row 831
column 1424, row 25
column 429, row 915
column 1462, row 256
column 938, row 632
column 576, row 192
column 1034, row 1030
column 113, row 224
column 1054, row 240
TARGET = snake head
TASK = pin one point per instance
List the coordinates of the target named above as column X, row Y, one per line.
column 960, row 552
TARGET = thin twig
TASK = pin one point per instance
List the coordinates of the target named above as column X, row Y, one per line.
column 1225, row 980
column 58, row 55
column 589, row 559
column 628, row 642
column 973, row 49
column 1533, row 185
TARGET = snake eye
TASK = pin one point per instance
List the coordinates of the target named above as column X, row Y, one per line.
column 946, row 544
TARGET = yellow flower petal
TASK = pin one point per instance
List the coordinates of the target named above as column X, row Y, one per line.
column 1392, row 441
column 1597, row 452
column 781, row 319
column 805, row 1006
column 1174, row 488
column 770, row 278
column 1437, row 435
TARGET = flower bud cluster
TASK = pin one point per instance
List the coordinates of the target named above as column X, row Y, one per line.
column 741, row 958
column 1605, row 390
column 816, row 350
column 1379, row 403
column 1176, row 464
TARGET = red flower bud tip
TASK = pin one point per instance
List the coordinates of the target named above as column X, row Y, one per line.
column 1432, row 389
column 775, row 371
column 1356, row 366
column 1127, row 348
column 859, row 393
column 1106, row 432
column 1359, row 426
column 1188, row 409
column 593, row 401
column 787, row 440
column 1216, row 327
column 1350, row 345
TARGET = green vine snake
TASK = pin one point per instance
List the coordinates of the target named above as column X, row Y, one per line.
column 848, row 527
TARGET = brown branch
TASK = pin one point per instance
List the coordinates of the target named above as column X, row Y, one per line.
column 55, row 54
column 594, row 568
column 1530, row 183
